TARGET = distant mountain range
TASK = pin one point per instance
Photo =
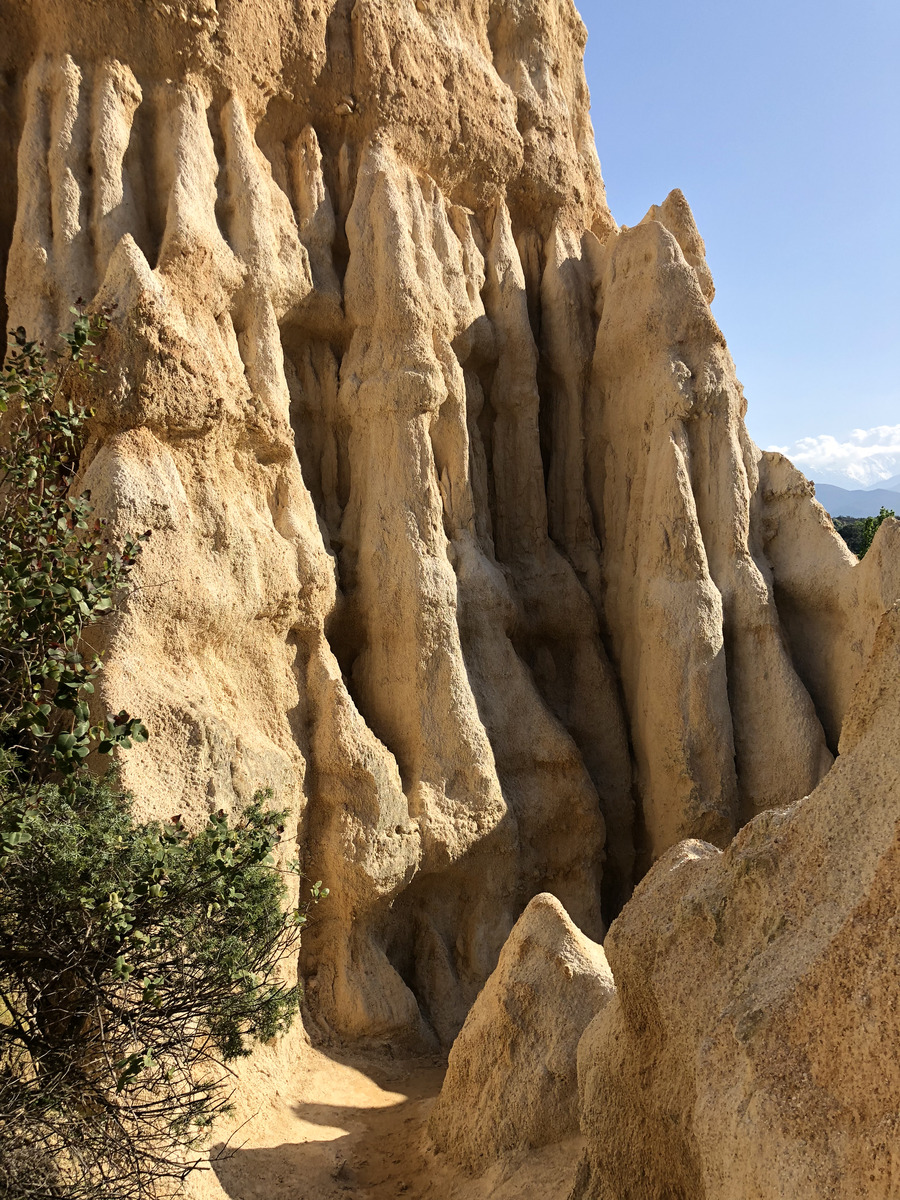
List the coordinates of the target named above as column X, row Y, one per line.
column 892, row 484
column 844, row 502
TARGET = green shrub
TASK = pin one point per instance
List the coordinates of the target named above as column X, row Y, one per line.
column 136, row 958
column 871, row 525
column 58, row 573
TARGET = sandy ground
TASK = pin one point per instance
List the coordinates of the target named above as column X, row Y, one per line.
column 341, row 1127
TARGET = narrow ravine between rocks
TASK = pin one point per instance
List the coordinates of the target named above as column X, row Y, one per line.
column 353, row 1126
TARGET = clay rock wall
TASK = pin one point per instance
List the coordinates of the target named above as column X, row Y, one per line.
column 459, row 542
column 721, row 723
column 751, row 1049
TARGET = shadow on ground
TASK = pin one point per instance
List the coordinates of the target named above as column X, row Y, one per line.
column 372, row 1150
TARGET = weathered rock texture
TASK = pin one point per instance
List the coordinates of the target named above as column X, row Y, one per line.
column 459, row 542
column 511, row 1079
column 752, row 1050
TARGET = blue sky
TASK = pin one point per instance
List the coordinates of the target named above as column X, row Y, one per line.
column 780, row 121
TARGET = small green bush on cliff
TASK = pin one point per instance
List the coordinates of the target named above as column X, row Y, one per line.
column 136, row 958
column 58, row 573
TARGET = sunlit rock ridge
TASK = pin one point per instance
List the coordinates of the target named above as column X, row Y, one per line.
column 459, row 541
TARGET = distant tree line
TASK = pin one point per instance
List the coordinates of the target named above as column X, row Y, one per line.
column 859, row 532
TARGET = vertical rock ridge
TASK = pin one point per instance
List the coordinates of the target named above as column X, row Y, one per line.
column 460, row 544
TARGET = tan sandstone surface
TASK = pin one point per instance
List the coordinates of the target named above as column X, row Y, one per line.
column 511, row 1077
column 460, row 544
column 752, row 1050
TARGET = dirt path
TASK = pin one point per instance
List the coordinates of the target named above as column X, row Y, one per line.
column 354, row 1128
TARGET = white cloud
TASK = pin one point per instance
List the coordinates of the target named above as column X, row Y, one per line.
column 868, row 457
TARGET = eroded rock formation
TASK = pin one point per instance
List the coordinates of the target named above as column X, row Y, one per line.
column 460, row 544
column 511, row 1078
column 752, row 1050
column 314, row 227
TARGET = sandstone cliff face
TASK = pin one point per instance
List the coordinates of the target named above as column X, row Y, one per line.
column 459, row 542
column 751, row 1050
column 721, row 723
